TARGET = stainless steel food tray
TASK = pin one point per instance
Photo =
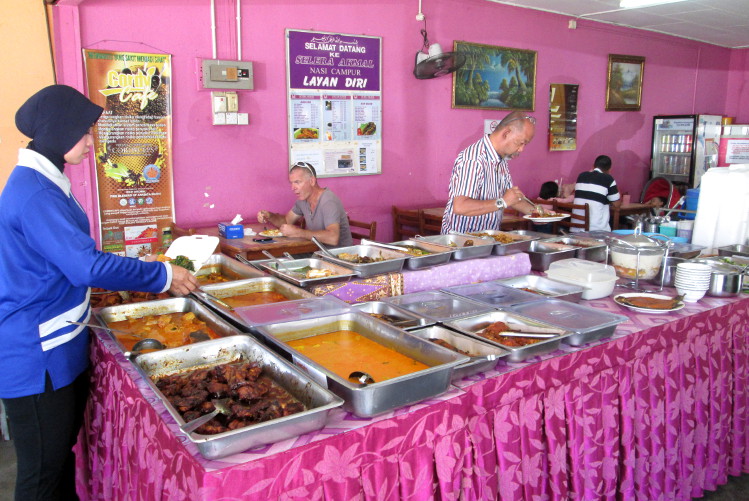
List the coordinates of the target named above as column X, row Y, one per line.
column 290, row 311
column 474, row 347
column 318, row 401
column 437, row 305
column 248, row 286
column 589, row 249
column 228, row 268
column 393, row 262
column 546, row 287
column 403, row 319
column 734, row 250
column 287, row 273
column 542, row 254
column 117, row 313
column 586, row 324
column 481, row 247
column 535, row 234
column 493, row 293
column 381, row 396
column 474, row 324
column 520, row 243
column 440, row 254
column 686, row 251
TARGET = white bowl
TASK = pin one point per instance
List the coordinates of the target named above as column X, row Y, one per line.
column 691, row 296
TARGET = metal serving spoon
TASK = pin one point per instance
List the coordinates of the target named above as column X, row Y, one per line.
column 220, row 407
column 360, row 378
column 324, row 249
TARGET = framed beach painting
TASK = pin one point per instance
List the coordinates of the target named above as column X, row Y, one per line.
column 624, row 83
column 495, row 78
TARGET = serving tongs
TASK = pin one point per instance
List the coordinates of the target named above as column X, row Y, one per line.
column 280, row 265
column 385, row 246
column 324, row 249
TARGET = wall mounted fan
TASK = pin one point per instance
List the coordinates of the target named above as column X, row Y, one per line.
column 431, row 62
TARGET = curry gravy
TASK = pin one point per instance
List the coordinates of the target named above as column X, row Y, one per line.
column 344, row 352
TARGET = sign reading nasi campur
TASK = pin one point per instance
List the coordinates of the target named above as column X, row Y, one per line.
column 132, row 141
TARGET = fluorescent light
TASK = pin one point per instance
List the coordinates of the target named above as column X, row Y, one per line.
column 633, row 4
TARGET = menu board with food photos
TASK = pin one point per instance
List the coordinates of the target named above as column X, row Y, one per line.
column 563, row 117
column 334, row 102
column 132, row 147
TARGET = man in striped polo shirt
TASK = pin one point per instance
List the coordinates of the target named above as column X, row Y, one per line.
column 598, row 189
column 481, row 186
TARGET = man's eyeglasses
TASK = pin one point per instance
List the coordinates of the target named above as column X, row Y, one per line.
column 526, row 117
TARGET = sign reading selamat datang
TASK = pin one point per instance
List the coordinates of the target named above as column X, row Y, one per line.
column 334, row 102
column 132, row 144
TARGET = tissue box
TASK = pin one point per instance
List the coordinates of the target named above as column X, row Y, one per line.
column 228, row 230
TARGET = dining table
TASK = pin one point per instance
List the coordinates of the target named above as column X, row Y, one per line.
column 248, row 247
column 511, row 220
column 657, row 410
column 628, row 209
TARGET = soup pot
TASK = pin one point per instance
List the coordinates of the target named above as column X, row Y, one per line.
column 667, row 272
column 637, row 256
column 726, row 280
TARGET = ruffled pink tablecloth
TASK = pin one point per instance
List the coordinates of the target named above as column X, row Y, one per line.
column 658, row 411
column 469, row 271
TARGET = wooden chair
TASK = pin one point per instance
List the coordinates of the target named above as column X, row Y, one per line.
column 575, row 220
column 369, row 233
column 429, row 223
column 406, row 223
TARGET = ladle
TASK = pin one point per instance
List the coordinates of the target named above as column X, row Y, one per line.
column 324, row 249
column 360, row 378
column 96, row 326
column 220, row 407
column 145, row 343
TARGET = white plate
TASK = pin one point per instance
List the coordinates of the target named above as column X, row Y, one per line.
column 550, row 219
column 270, row 233
column 646, row 310
column 197, row 248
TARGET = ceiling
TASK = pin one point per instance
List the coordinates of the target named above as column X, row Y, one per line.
column 718, row 22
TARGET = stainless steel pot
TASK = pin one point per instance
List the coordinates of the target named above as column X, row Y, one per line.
column 725, row 281
column 667, row 273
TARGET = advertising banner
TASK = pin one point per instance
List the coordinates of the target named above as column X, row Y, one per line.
column 132, row 144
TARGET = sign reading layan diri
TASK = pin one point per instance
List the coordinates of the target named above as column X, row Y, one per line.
column 327, row 61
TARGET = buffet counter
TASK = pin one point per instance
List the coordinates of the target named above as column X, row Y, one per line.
column 657, row 411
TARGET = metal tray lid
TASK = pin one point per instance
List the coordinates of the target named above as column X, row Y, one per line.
column 570, row 316
column 493, row 293
column 438, row 305
column 288, row 311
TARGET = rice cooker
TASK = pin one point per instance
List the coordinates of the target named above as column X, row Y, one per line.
column 637, row 256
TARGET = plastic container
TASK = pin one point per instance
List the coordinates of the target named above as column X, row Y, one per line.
column 668, row 229
column 684, row 229
column 597, row 279
column 693, row 196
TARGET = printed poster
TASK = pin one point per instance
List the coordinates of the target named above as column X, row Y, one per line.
column 132, row 144
column 335, row 102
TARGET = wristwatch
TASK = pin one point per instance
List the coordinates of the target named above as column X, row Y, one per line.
column 500, row 203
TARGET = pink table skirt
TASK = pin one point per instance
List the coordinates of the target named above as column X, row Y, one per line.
column 658, row 411
column 453, row 273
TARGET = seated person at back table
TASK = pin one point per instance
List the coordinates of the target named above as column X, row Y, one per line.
column 322, row 210
column 598, row 189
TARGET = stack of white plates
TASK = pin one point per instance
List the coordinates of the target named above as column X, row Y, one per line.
column 692, row 280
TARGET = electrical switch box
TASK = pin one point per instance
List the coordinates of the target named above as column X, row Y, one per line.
column 220, row 74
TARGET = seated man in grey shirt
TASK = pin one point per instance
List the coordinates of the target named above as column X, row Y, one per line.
column 322, row 210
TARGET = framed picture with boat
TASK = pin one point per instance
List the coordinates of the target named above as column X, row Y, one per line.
column 624, row 83
column 495, row 78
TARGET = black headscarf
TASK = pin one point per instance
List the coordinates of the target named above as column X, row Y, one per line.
column 56, row 118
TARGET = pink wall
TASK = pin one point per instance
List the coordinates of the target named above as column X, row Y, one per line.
column 243, row 168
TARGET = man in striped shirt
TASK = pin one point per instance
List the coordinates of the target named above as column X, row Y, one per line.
column 481, row 186
column 598, row 189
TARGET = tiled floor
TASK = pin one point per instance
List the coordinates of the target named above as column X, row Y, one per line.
column 737, row 488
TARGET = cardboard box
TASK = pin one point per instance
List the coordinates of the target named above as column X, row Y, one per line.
column 228, row 230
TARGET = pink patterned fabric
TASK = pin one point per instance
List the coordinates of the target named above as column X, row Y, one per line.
column 656, row 412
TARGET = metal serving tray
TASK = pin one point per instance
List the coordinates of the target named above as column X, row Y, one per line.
column 381, row 396
column 542, row 254
column 393, row 262
column 290, row 311
column 316, row 399
column 440, row 254
column 300, row 279
column 734, row 250
column 685, row 251
column 493, row 293
column 474, row 347
column 117, row 313
column 535, row 234
column 403, row 319
column 587, row 324
column 229, row 268
column 248, row 286
column 546, row 287
column 520, row 243
column 474, row 324
column 437, row 305
column 589, row 249
column 481, row 247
